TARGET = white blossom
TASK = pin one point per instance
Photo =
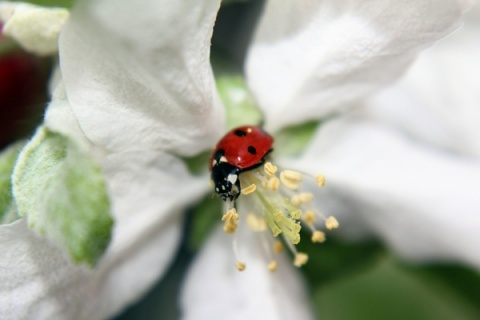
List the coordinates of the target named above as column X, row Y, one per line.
column 136, row 85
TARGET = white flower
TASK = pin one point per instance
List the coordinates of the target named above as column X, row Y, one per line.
column 145, row 120
column 312, row 61
column 406, row 166
column 137, row 89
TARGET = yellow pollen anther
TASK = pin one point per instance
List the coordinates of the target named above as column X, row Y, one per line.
column 300, row 259
column 309, row 217
column 301, row 198
column 318, row 236
column 306, row 197
column 255, row 223
column 230, row 227
column 231, row 221
column 295, row 200
column 320, row 180
column 240, row 266
column 251, row 188
column 273, row 183
column 270, row 169
column 272, row 266
column 277, row 246
column 230, row 214
column 291, row 179
column 331, row 223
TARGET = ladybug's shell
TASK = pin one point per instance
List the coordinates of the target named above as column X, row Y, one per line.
column 244, row 146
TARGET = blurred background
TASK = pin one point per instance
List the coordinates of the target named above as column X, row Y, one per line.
column 23, row 91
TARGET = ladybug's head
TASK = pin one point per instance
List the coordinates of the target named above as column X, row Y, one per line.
column 226, row 180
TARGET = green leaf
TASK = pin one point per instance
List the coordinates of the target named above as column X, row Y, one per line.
column 8, row 212
column 293, row 140
column 198, row 164
column 240, row 106
column 62, row 192
column 49, row 3
column 335, row 259
column 204, row 217
column 460, row 282
column 389, row 291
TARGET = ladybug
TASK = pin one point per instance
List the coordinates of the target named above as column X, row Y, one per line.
column 241, row 149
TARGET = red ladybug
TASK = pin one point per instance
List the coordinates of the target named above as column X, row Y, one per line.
column 241, row 149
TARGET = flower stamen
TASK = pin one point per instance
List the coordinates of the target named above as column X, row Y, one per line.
column 272, row 266
column 241, row 266
column 300, row 259
column 280, row 205
column 320, row 180
column 255, row 223
column 318, row 236
column 277, row 246
column 331, row 223
column 270, row 169
column 273, row 183
column 250, row 189
column 310, row 217
column 291, row 179
column 301, row 198
column 231, row 220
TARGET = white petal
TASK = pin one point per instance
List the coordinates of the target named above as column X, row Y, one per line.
column 138, row 76
column 309, row 58
column 35, row 28
column 149, row 192
column 59, row 117
column 215, row 289
column 423, row 202
column 439, row 99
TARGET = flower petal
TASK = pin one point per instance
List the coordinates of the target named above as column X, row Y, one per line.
column 309, row 58
column 255, row 293
column 438, row 100
column 149, row 192
column 424, row 203
column 38, row 281
column 138, row 76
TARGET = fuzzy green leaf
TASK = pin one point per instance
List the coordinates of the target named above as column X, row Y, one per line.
column 49, row 3
column 8, row 212
column 62, row 192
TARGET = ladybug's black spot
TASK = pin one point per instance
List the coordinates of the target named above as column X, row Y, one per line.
column 240, row 133
column 252, row 150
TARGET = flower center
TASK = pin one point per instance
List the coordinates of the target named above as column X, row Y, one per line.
column 274, row 200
